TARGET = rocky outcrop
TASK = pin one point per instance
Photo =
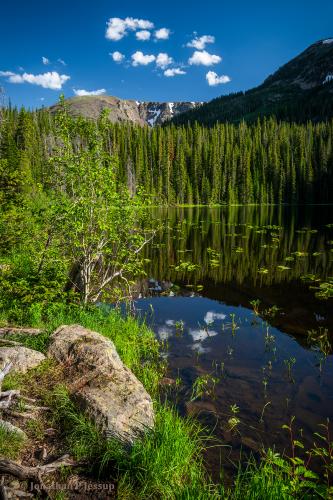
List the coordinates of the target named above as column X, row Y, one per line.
column 120, row 110
column 21, row 358
column 101, row 384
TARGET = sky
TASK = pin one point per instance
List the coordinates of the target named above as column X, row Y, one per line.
column 174, row 50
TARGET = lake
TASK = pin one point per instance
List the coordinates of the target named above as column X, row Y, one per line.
column 233, row 292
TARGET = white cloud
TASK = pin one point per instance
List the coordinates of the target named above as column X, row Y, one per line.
column 143, row 35
column 6, row 73
column 200, row 335
column 173, row 72
column 163, row 60
column 140, row 59
column 211, row 316
column 213, row 79
column 204, row 58
column 162, row 34
column 170, row 322
column 61, row 61
column 50, row 80
column 117, row 56
column 82, row 92
column 164, row 332
column 117, row 27
column 201, row 42
column 45, row 60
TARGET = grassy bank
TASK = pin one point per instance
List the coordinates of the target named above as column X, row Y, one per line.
column 168, row 463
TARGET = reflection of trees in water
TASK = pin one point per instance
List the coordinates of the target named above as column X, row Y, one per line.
column 245, row 240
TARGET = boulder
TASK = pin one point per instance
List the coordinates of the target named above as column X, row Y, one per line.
column 21, row 358
column 101, row 384
column 7, row 426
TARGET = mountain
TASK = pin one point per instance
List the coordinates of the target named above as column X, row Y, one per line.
column 300, row 90
column 142, row 113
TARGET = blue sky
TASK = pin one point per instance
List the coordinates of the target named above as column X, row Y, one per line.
column 244, row 42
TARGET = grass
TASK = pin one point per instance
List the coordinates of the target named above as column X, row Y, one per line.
column 11, row 443
column 135, row 343
column 168, row 462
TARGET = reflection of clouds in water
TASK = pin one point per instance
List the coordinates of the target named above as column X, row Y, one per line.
column 198, row 347
column 164, row 332
column 170, row 322
column 200, row 335
column 211, row 316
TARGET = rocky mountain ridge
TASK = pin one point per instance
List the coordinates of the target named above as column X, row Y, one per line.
column 301, row 90
column 139, row 112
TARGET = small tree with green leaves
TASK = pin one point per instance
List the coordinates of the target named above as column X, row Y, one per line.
column 103, row 227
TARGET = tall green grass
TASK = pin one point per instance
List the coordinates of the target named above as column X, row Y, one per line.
column 166, row 463
column 135, row 343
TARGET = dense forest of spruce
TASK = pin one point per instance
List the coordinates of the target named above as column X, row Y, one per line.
column 264, row 162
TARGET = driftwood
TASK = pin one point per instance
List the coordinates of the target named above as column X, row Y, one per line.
column 11, row 330
column 3, row 492
column 6, row 397
column 35, row 474
column 24, row 472
column 6, row 369
column 9, row 342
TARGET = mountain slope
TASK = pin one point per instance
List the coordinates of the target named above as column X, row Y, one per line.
column 142, row 113
column 300, row 90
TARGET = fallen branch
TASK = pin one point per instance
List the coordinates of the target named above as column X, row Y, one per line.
column 8, row 330
column 8, row 396
column 24, row 472
column 9, row 342
column 6, row 369
column 3, row 492
column 17, row 414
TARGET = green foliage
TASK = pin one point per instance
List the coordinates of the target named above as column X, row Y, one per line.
column 264, row 162
column 11, row 443
column 77, row 232
column 164, row 464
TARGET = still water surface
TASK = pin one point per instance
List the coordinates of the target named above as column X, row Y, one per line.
column 205, row 268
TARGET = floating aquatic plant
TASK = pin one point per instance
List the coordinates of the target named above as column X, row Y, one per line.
column 325, row 289
column 301, row 254
column 186, row 266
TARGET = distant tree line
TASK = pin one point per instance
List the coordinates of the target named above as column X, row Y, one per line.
column 264, row 162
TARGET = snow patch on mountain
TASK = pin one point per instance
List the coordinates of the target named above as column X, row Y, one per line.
column 327, row 41
column 156, row 113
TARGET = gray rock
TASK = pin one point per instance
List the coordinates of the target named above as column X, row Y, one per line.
column 12, row 428
column 102, row 385
column 21, row 358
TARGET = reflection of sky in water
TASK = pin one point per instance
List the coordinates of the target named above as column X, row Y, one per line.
column 197, row 331
column 199, row 327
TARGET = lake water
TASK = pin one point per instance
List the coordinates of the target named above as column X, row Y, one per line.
column 231, row 359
